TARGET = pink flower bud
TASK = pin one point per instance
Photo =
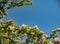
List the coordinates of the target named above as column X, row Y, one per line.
column 57, row 39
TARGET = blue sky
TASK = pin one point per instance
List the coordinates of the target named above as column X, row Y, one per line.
column 43, row 13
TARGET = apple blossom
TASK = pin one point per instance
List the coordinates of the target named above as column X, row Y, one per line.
column 36, row 27
column 11, row 27
column 23, row 25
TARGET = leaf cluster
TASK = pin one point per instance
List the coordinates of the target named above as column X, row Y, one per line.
column 8, row 4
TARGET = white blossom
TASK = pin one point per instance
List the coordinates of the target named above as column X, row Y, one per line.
column 32, row 33
column 41, row 31
column 43, row 38
column 58, row 28
column 36, row 27
column 19, row 28
column 11, row 27
column 29, row 27
column 23, row 25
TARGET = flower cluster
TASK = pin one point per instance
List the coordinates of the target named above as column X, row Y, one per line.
column 11, row 33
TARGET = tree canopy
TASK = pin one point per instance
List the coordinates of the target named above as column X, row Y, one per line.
column 11, row 33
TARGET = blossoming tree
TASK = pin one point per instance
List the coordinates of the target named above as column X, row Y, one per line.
column 11, row 33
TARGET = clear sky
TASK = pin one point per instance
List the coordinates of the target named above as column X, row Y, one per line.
column 43, row 13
